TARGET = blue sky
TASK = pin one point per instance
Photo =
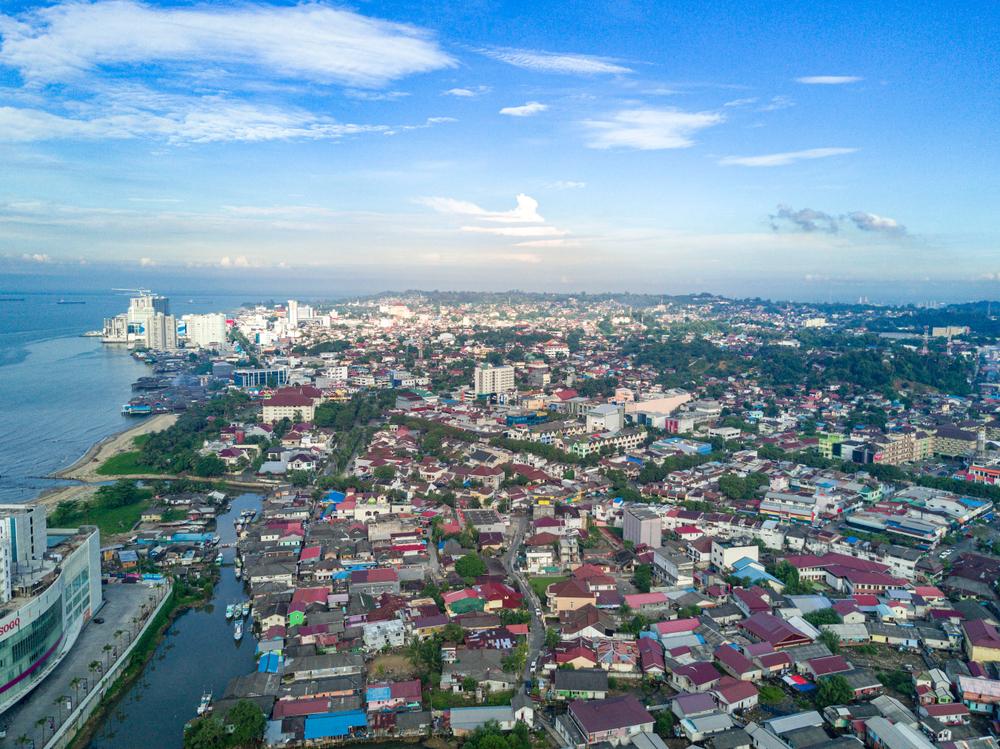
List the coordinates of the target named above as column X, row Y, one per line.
column 554, row 145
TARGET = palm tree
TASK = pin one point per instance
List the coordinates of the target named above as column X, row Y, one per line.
column 24, row 739
column 107, row 649
column 74, row 684
column 95, row 667
column 60, row 703
column 41, row 723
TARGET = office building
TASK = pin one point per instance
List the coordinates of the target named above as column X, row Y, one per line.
column 494, row 380
column 293, row 314
column 205, row 331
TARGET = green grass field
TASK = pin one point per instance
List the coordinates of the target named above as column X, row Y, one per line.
column 539, row 584
column 125, row 464
column 111, row 520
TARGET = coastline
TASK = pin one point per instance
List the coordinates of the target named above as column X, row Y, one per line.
column 85, row 467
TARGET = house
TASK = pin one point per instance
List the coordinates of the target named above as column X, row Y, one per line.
column 704, row 726
column 734, row 695
column 651, row 657
column 979, row 694
column 737, row 665
column 773, row 630
column 569, row 595
column 695, row 677
column 982, row 641
column 465, row 720
column 615, row 720
column 882, row 734
column 949, row 713
column 398, row 695
column 587, row 683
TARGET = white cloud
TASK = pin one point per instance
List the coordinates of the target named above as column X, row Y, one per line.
column 783, row 159
column 525, row 110
column 566, row 184
column 178, row 119
column 147, row 262
column 560, row 242
column 517, row 231
column 555, row 62
column 776, row 103
column 467, row 93
column 36, row 258
column 649, row 129
column 526, row 211
column 873, row 222
column 314, row 41
column 240, row 261
column 829, row 80
column 744, row 102
column 363, row 95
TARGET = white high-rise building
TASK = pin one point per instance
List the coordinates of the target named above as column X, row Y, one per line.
column 293, row 314
column 494, row 380
column 206, row 331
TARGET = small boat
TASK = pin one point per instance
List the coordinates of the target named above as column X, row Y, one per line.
column 238, row 571
column 229, row 611
column 218, row 559
column 238, row 630
column 71, row 301
column 206, row 703
column 246, row 608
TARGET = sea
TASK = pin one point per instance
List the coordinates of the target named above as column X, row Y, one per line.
column 61, row 392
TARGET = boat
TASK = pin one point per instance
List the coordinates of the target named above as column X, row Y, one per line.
column 206, row 703
column 229, row 611
column 238, row 571
column 246, row 608
column 71, row 301
column 92, row 334
column 238, row 630
column 218, row 559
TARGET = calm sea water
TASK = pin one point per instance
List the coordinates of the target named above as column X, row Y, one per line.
column 60, row 392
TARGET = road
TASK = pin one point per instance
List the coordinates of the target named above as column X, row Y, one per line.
column 53, row 699
column 536, row 628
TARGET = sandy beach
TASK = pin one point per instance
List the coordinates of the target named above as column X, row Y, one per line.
column 85, row 469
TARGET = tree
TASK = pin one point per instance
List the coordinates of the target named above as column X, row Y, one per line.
column 552, row 637
column 209, row 465
column 642, row 577
column 206, row 733
column 384, row 473
column 831, row 640
column 664, row 725
column 469, row 684
column 833, row 690
column 247, row 723
column 453, row 632
column 823, row 616
column 470, row 567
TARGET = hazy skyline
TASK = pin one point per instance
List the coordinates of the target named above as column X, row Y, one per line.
column 559, row 145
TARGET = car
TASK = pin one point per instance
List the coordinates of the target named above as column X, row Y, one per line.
column 98, row 620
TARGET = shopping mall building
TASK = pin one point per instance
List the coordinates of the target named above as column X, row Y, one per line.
column 50, row 586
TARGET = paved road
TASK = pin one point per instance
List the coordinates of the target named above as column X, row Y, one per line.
column 48, row 701
column 536, row 631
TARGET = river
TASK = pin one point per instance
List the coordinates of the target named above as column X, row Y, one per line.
column 198, row 654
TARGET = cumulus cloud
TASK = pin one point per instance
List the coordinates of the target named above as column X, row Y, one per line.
column 828, row 80
column 804, row 219
column 240, row 261
column 783, row 159
column 873, row 222
column 525, row 110
column 147, row 262
column 555, row 62
column 811, row 220
column 37, row 257
column 314, row 41
column 649, row 129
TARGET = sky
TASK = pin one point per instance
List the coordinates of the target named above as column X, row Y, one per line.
column 546, row 145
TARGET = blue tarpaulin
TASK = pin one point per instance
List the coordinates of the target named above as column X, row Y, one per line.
column 327, row 725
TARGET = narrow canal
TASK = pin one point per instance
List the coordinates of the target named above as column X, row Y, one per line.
column 197, row 655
